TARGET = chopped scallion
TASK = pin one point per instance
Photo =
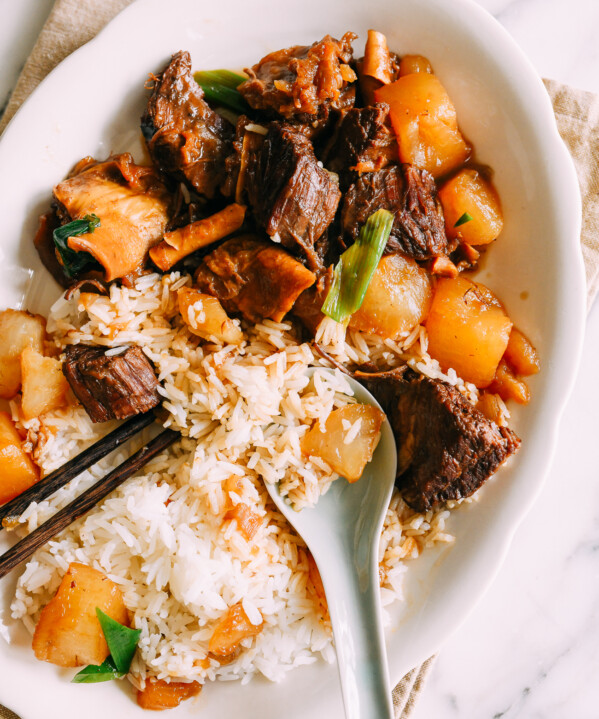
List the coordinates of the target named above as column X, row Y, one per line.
column 466, row 217
column 220, row 87
column 356, row 266
column 122, row 643
column 93, row 673
column 121, row 640
column 73, row 262
column 226, row 78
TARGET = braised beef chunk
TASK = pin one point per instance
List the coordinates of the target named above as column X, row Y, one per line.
column 446, row 447
column 363, row 142
column 111, row 387
column 418, row 229
column 303, row 83
column 46, row 249
column 253, row 277
column 292, row 196
column 248, row 141
column 185, row 137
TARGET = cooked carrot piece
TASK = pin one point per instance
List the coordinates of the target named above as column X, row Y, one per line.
column 377, row 59
column 68, row 632
column 520, row 354
column 17, row 471
column 468, row 329
column 471, row 207
column 185, row 240
column 425, row 122
column 234, row 627
column 159, row 694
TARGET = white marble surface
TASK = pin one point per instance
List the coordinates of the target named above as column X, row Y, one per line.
column 530, row 649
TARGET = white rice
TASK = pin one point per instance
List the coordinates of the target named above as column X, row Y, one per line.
column 164, row 536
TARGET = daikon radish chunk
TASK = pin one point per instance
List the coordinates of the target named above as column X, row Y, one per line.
column 159, row 694
column 247, row 521
column 205, row 317
column 44, row 385
column 232, row 628
column 18, row 330
column 425, row 122
column 471, row 207
column 468, row 329
column 520, row 354
column 491, row 406
column 68, row 632
column 397, row 299
column 17, row 471
column 508, row 386
column 350, row 436
column 411, row 64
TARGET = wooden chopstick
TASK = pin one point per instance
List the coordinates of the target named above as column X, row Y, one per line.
column 41, row 490
column 78, row 507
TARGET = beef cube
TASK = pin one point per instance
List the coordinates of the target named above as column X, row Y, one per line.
column 303, row 83
column 249, row 138
column 446, row 448
column 292, row 196
column 111, row 387
column 253, row 277
column 46, row 249
column 363, row 142
column 419, row 227
column 185, row 137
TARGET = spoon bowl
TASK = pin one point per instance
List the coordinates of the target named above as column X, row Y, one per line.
column 342, row 532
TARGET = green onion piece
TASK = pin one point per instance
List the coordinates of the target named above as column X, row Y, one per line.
column 220, row 95
column 74, row 262
column 223, row 92
column 122, row 643
column 226, row 78
column 356, row 267
column 94, row 673
column 466, row 217
column 121, row 640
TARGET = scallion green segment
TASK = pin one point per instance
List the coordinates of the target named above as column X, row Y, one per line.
column 73, row 262
column 219, row 77
column 356, row 266
column 122, row 643
column 93, row 673
column 121, row 640
column 220, row 88
column 466, row 217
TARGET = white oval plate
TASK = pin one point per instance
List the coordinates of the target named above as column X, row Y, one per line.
column 91, row 105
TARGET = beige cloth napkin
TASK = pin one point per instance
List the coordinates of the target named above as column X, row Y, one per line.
column 73, row 22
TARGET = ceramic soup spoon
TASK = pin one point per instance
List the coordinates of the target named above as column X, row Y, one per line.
column 342, row 532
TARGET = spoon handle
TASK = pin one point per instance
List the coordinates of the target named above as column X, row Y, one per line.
column 357, row 625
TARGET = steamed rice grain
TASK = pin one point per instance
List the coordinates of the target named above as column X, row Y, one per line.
column 163, row 536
